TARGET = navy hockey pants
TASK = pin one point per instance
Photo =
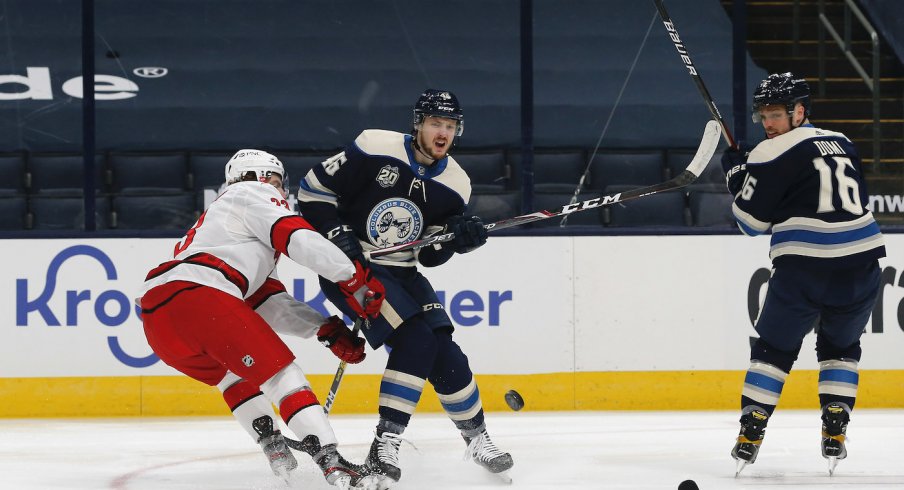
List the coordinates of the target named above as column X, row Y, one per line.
column 837, row 303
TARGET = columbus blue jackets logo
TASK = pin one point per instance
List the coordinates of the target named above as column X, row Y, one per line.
column 394, row 221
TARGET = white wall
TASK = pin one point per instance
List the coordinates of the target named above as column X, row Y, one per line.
column 576, row 303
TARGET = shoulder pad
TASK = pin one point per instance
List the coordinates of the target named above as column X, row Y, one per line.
column 382, row 142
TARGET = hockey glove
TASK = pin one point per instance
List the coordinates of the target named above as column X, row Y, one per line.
column 355, row 288
column 336, row 335
column 469, row 233
column 344, row 238
column 734, row 164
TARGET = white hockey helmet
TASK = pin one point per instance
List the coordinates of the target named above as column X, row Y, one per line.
column 260, row 162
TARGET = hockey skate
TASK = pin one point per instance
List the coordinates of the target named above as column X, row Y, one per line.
column 382, row 464
column 835, row 418
column 483, row 452
column 336, row 470
column 281, row 459
column 753, row 428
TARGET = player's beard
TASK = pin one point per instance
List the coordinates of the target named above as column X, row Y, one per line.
column 428, row 148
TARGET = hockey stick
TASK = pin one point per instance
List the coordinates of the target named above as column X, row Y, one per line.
column 340, row 372
column 704, row 153
column 692, row 71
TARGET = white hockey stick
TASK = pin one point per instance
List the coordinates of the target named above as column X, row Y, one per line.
column 705, row 152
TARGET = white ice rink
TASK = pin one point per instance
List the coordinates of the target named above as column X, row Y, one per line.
column 562, row 450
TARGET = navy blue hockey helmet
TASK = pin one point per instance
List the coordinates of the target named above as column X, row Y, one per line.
column 438, row 103
column 781, row 89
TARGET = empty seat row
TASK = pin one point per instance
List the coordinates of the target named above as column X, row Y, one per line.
column 560, row 170
column 491, row 170
column 137, row 173
column 699, row 205
column 166, row 211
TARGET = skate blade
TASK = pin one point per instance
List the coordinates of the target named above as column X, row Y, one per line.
column 741, row 465
column 833, row 461
column 374, row 482
column 343, row 482
column 504, row 477
column 284, row 475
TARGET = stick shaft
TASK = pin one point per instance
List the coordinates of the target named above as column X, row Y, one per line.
column 692, row 71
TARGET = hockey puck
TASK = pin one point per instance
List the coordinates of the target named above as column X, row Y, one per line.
column 688, row 485
column 514, row 400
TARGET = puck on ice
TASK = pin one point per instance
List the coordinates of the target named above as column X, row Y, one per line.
column 514, row 400
column 688, row 485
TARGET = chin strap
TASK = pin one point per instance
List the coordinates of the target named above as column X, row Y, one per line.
column 417, row 148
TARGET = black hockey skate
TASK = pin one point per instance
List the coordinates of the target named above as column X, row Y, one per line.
column 382, row 463
column 482, row 451
column 281, row 459
column 835, row 418
column 753, row 428
column 336, row 469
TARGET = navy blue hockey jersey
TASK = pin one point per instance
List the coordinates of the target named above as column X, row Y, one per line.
column 807, row 186
column 378, row 189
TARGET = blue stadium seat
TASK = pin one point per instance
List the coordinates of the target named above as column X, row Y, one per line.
column 493, row 207
column 13, row 213
column 150, row 171
column 711, row 207
column 665, row 209
column 13, row 176
column 62, row 174
column 678, row 159
column 487, row 169
column 626, row 167
column 67, row 212
column 298, row 165
column 554, row 170
column 208, row 169
column 176, row 211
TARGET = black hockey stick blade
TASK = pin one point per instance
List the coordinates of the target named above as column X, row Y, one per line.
column 705, row 152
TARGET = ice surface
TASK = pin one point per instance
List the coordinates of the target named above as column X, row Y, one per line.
column 552, row 450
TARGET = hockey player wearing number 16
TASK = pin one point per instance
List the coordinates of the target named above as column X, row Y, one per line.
column 805, row 184
column 388, row 188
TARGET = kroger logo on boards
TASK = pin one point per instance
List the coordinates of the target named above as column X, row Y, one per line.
column 38, row 302
column 111, row 307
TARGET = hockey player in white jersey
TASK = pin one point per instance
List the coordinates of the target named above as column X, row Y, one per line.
column 198, row 316
column 806, row 185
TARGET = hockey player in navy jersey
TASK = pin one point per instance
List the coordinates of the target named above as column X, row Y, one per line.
column 806, row 185
column 388, row 188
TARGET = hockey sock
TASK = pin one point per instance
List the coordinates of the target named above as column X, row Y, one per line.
column 838, row 381
column 399, row 395
column 246, row 401
column 464, row 408
column 762, row 386
column 410, row 361
column 455, row 386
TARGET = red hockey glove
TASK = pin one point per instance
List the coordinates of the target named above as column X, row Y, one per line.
column 336, row 335
column 355, row 288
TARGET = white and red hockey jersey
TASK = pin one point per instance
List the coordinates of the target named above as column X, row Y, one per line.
column 237, row 241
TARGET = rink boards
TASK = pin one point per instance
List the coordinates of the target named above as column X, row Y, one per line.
column 642, row 322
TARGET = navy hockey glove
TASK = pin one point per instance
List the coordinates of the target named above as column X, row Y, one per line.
column 734, row 164
column 336, row 335
column 355, row 288
column 344, row 238
column 469, row 233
